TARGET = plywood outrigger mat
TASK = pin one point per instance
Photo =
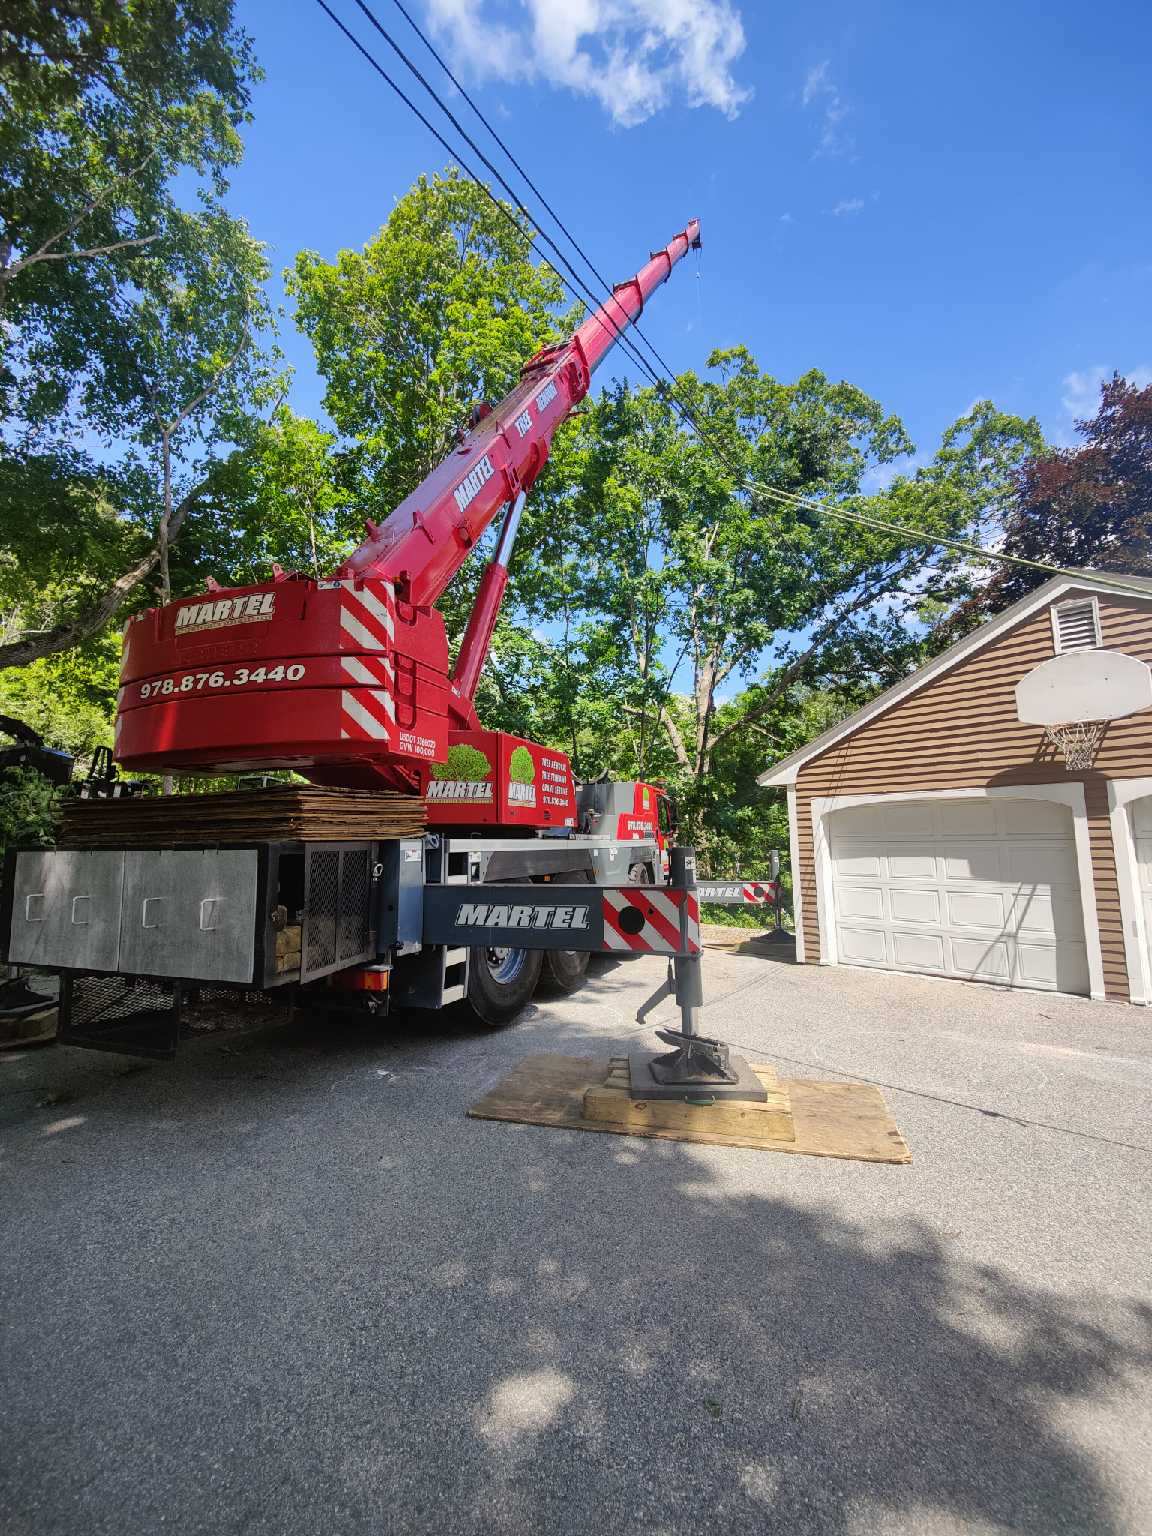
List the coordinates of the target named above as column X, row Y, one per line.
column 847, row 1120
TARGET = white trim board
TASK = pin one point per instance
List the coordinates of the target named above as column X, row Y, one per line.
column 1071, row 795
column 786, row 771
column 794, row 860
column 1137, row 942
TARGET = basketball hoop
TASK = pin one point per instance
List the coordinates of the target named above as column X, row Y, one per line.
column 1075, row 695
column 1077, row 741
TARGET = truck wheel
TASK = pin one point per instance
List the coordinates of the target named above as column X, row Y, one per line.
column 565, row 969
column 500, row 983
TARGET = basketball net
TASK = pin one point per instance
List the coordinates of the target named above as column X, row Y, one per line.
column 1077, row 741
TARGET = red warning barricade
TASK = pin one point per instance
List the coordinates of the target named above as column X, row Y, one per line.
column 645, row 920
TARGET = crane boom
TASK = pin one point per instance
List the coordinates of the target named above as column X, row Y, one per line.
column 346, row 679
column 429, row 536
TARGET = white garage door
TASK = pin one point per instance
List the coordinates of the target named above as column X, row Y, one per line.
column 1142, row 832
column 981, row 889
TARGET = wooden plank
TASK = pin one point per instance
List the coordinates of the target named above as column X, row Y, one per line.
column 611, row 1101
column 292, row 813
column 839, row 1120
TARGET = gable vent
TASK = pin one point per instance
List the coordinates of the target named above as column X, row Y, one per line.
column 1076, row 625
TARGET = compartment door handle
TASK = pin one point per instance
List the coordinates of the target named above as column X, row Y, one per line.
column 80, row 914
column 149, row 901
column 36, row 916
column 208, row 907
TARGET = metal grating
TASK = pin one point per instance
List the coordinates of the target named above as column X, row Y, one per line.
column 352, row 925
column 337, row 927
column 321, row 903
column 120, row 1013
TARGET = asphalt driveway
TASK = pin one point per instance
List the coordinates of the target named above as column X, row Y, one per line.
column 284, row 1285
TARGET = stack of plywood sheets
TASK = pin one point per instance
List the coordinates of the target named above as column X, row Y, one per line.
column 294, row 813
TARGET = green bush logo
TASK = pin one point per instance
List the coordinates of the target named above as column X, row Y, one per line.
column 465, row 763
column 522, row 766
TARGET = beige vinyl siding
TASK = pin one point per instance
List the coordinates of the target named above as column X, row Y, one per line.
column 960, row 731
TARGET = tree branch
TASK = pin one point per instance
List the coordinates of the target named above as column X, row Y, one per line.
column 74, row 224
column 672, row 730
column 795, row 668
column 19, row 653
column 20, row 731
column 94, row 250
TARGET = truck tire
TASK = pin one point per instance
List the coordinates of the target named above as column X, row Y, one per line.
column 564, row 970
column 501, row 983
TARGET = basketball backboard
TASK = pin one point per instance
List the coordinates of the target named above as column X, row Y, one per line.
column 1084, row 685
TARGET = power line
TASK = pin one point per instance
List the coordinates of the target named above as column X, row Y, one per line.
column 531, row 185
column 665, row 387
column 585, row 293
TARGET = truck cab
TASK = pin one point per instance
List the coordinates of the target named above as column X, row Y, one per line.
column 629, row 811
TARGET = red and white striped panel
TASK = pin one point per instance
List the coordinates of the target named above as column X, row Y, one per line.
column 368, row 615
column 655, row 915
column 758, row 891
column 366, row 714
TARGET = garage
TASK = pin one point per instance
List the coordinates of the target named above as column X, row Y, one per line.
column 982, row 889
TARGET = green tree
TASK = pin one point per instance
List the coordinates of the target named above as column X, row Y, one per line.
column 440, row 309
column 465, row 763
column 662, row 561
column 127, row 318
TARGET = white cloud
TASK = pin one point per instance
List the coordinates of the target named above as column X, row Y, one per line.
column 633, row 56
column 848, row 205
column 786, row 218
column 821, row 91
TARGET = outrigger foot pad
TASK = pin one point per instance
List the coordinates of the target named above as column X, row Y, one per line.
column 697, row 1069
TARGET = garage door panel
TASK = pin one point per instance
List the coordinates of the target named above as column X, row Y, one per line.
column 1058, row 967
column 978, row 909
column 992, row 896
column 913, row 822
column 912, row 864
column 966, row 818
column 1044, row 914
column 910, row 905
column 918, row 951
column 863, row 946
column 860, row 863
column 862, row 901
column 1142, row 817
column 1032, row 818
column 1040, row 864
column 990, row 959
column 972, row 861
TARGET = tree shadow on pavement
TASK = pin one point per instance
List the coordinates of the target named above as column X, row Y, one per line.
column 275, row 1307
column 774, row 1369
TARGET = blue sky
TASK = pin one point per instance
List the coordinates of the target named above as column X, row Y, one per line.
column 937, row 203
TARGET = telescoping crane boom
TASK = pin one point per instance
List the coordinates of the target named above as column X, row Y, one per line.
column 346, row 679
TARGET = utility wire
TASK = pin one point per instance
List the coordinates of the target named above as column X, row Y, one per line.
column 531, row 185
column 665, row 387
column 585, row 294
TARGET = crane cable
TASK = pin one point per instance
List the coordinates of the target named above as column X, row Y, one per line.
column 665, row 387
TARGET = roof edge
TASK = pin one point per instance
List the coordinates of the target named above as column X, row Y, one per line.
column 785, row 772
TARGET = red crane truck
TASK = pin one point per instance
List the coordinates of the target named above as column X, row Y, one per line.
column 346, row 680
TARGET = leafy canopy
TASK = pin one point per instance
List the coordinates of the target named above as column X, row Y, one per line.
column 440, row 309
